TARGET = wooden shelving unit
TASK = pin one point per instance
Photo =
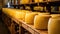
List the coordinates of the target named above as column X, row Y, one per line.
column 30, row 28
column 22, row 26
column 18, row 26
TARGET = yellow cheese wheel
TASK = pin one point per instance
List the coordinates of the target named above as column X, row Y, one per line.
column 24, row 1
column 4, row 10
column 55, row 15
column 41, row 21
column 36, row 12
column 36, row 1
column 53, row 0
column 38, row 8
column 11, row 13
column 29, row 18
column 8, row 11
column 54, row 26
column 20, row 15
column 43, row 13
column 40, row 0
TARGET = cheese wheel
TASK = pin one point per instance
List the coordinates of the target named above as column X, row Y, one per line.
column 53, row 0
column 54, row 25
column 20, row 15
column 36, row 12
column 41, row 21
column 38, row 8
column 40, row 0
column 55, row 15
column 43, row 14
column 8, row 11
column 4, row 10
column 29, row 18
column 36, row 1
column 24, row 1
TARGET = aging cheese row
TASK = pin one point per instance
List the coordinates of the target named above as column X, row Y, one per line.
column 20, row 14
column 39, row 20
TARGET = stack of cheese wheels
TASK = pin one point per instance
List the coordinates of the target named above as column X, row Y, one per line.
column 41, row 21
column 54, row 24
column 29, row 18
